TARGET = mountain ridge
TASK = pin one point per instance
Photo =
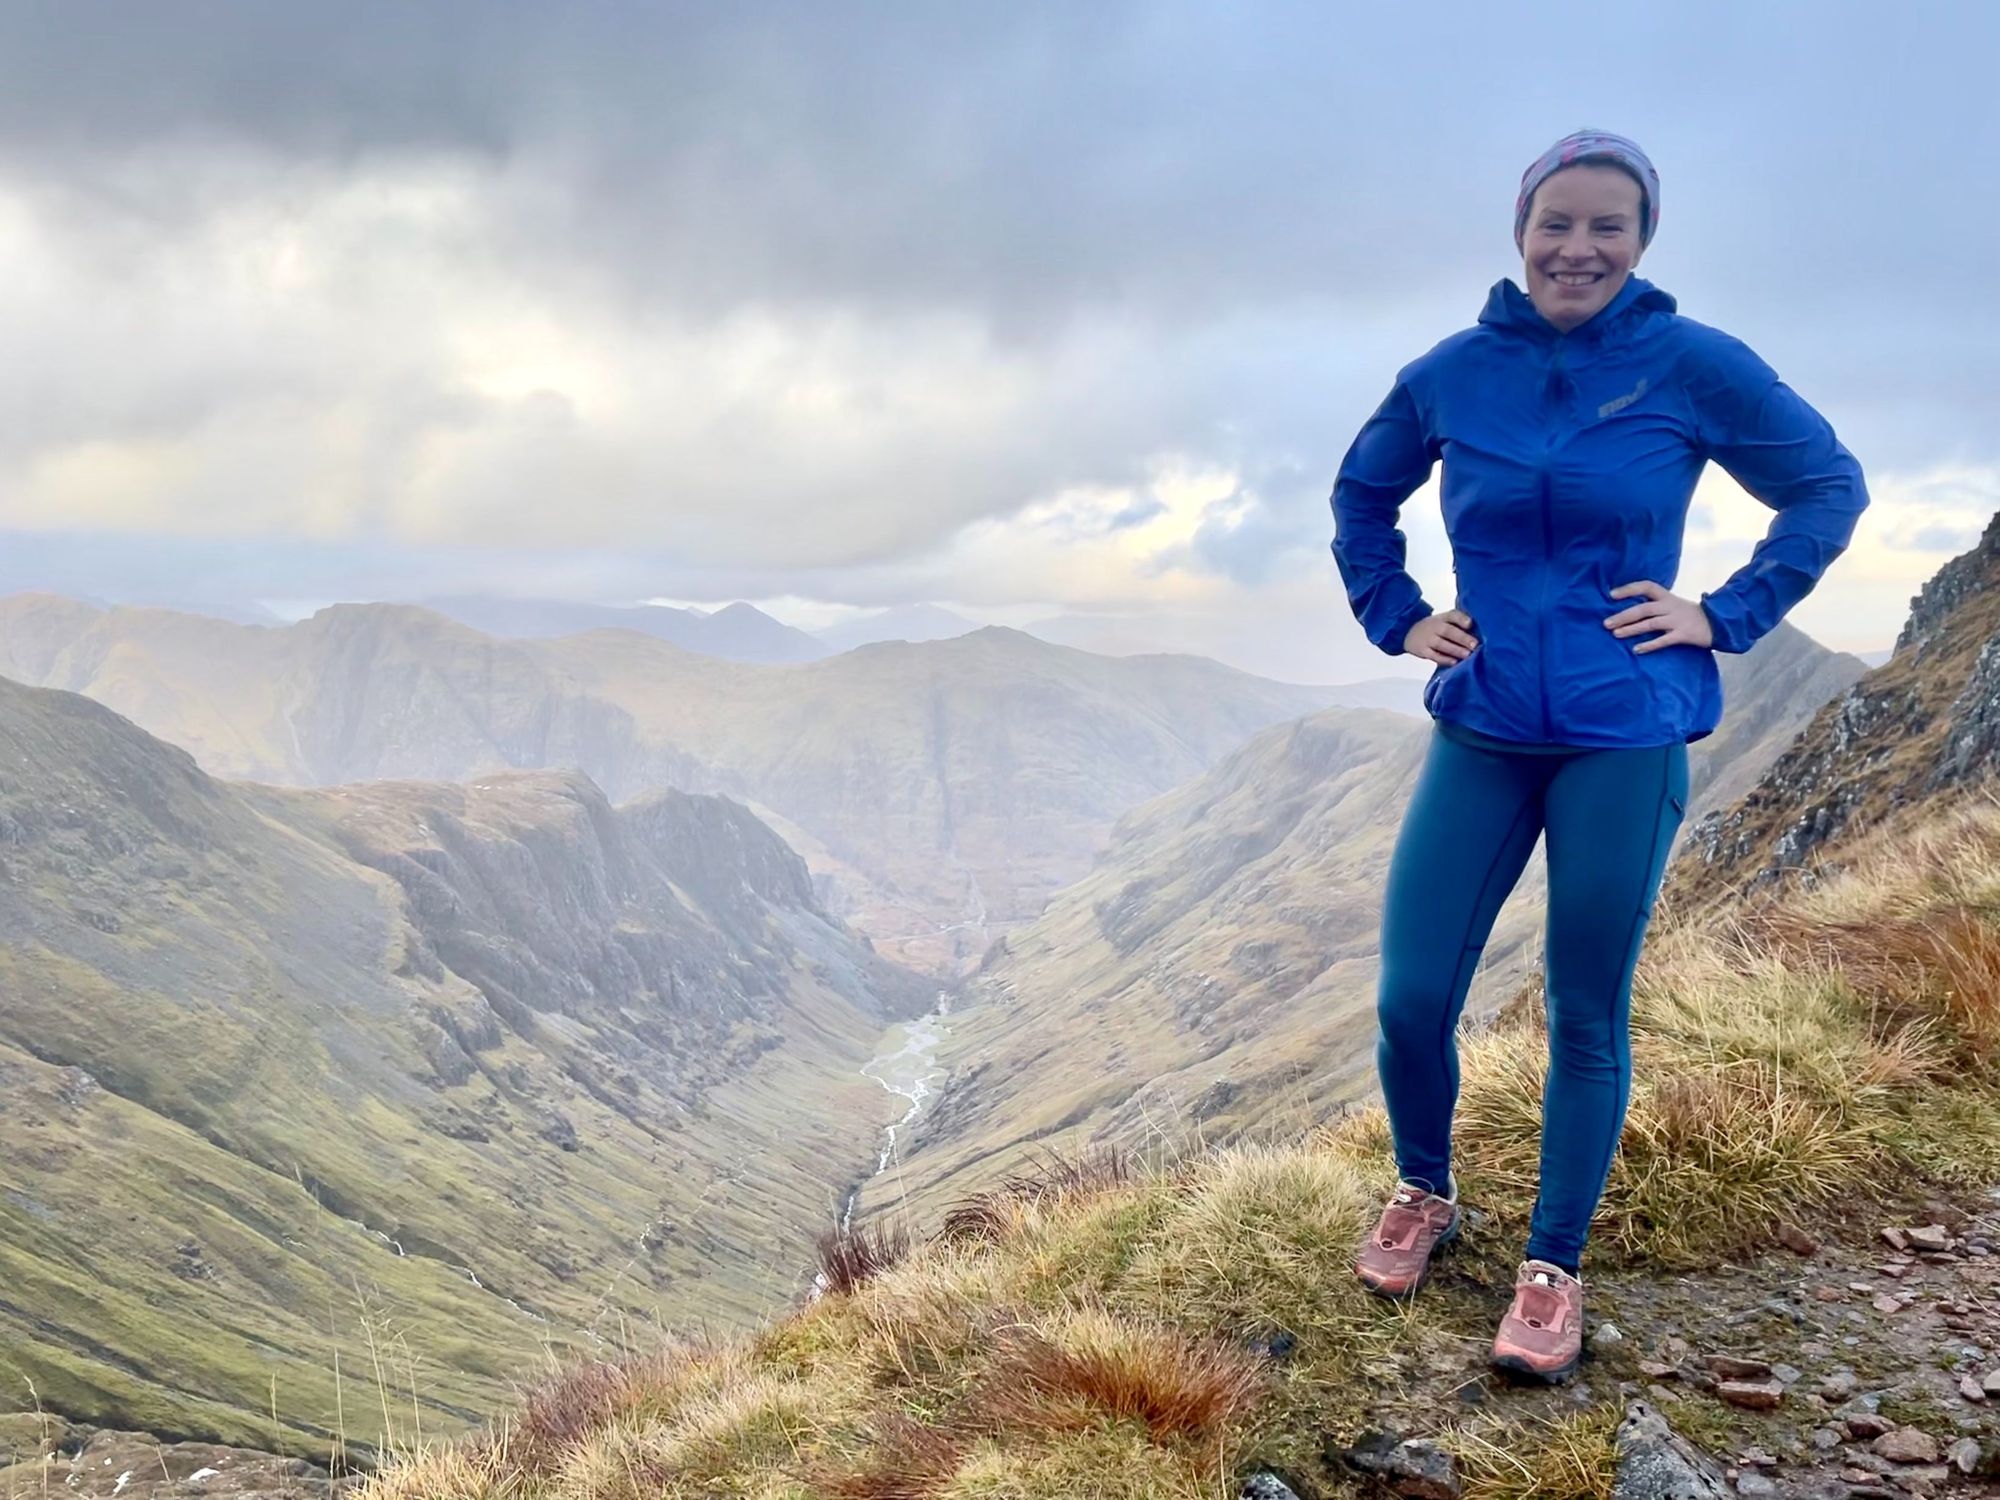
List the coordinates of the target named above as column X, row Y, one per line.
column 947, row 787
column 487, row 1064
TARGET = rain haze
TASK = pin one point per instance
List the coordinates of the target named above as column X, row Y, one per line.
column 1028, row 311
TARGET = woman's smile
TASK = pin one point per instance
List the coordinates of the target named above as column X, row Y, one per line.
column 1581, row 241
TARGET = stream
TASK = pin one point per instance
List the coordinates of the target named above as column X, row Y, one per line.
column 907, row 1067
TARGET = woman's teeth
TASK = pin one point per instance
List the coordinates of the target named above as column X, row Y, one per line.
column 1577, row 278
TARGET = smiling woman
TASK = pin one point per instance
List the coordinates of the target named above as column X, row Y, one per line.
column 1573, row 422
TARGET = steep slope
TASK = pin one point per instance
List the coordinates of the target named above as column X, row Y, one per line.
column 1917, row 732
column 417, row 1079
column 1770, row 694
column 1216, row 971
column 737, row 632
column 942, row 789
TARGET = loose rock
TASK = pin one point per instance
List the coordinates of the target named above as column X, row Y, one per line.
column 1797, row 1240
column 1895, row 1238
column 1907, row 1445
column 1266, row 1487
column 1755, row 1484
column 1972, row 1390
column 1991, row 1384
column 1863, row 1425
column 1757, row 1395
column 1964, row 1455
column 1929, row 1237
column 1732, row 1367
column 1420, row 1470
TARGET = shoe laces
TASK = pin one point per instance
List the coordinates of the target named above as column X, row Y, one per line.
column 1405, row 1217
column 1538, row 1294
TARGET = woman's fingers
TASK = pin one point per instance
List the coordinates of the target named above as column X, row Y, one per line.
column 1647, row 619
column 1457, row 637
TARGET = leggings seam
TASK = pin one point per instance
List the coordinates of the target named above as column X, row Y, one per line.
column 1622, row 1081
column 1449, row 1020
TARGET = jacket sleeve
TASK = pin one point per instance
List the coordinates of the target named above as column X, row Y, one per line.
column 1390, row 457
column 1785, row 454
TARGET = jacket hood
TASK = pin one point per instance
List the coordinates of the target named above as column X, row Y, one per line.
column 1511, row 309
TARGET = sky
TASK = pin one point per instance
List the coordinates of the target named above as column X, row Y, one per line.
column 1026, row 310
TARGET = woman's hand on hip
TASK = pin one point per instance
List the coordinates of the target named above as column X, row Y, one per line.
column 1444, row 638
column 1683, row 621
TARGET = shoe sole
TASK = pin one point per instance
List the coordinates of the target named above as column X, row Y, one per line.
column 1448, row 1238
column 1522, row 1369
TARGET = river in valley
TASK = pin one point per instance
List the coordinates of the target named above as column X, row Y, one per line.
column 908, row 1068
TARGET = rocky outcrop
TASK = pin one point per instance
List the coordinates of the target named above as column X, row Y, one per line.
column 1924, row 725
column 86, row 1463
column 1656, row 1463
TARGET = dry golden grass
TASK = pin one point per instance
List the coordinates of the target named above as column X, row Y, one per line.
column 1053, row 1179
column 1572, row 1458
column 1088, row 1331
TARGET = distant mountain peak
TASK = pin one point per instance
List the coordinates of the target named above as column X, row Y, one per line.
column 914, row 623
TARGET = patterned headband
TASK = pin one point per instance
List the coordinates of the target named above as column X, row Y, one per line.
column 1588, row 146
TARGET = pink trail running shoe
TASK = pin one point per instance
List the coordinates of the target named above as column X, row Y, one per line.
column 1541, row 1336
column 1395, row 1259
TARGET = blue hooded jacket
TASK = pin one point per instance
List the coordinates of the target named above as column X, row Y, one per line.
column 1569, row 460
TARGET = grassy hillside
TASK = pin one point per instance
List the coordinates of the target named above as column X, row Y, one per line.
column 942, row 790
column 306, row 1091
column 1160, row 1334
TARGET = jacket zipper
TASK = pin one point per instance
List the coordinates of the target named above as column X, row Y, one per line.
column 1548, row 544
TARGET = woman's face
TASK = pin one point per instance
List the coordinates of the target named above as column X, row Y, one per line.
column 1582, row 241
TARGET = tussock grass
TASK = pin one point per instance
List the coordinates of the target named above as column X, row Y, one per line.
column 850, row 1256
column 1050, row 1180
column 1093, row 1329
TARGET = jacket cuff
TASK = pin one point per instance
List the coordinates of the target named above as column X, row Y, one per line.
column 1391, row 642
column 1730, row 631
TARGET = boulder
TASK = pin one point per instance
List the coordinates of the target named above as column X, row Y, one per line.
column 1656, row 1463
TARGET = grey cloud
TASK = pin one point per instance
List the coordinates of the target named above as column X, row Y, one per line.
column 1199, row 230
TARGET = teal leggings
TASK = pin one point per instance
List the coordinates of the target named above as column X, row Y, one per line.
column 1610, row 817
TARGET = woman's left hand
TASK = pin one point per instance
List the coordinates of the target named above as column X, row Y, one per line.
column 1684, row 620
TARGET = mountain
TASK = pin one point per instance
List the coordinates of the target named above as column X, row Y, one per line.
column 1916, row 733
column 396, row 1085
column 905, row 622
column 941, row 790
column 737, row 632
column 1215, row 972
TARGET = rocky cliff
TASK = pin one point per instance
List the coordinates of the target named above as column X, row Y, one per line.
column 1919, row 731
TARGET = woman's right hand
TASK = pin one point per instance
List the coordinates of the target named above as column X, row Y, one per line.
column 1443, row 638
